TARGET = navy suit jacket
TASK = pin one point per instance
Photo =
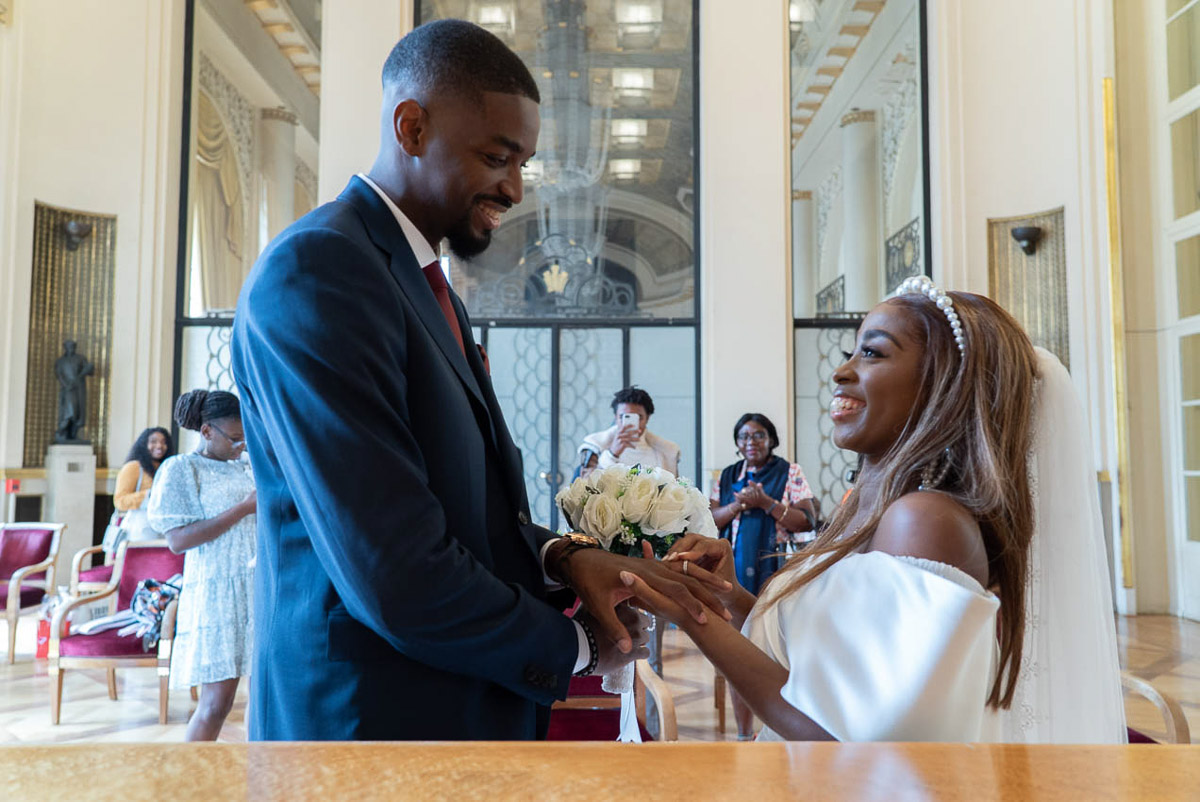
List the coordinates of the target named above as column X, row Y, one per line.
column 398, row 591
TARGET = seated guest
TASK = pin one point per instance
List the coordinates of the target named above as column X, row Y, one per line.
column 627, row 442
column 204, row 504
column 971, row 548
column 761, row 503
column 134, row 481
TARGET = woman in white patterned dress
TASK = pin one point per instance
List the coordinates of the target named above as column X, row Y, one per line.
column 960, row 593
column 204, row 503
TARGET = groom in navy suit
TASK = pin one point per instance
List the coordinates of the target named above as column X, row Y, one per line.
column 401, row 591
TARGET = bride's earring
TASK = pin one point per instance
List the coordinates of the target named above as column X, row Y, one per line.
column 933, row 474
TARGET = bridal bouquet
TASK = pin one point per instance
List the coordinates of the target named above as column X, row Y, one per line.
column 622, row 506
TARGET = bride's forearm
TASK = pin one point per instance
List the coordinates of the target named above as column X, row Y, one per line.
column 757, row 678
column 740, row 605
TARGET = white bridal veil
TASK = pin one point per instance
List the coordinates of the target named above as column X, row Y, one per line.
column 1069, row 686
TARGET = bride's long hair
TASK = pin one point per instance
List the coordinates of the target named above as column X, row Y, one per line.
column 975, row 410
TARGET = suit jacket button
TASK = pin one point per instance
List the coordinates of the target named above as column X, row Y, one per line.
column 522, row 518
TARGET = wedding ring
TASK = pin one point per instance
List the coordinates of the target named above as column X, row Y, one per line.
column 685, row 564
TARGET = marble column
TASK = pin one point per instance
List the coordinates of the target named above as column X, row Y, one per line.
column 278, row 164
column 861, row 241
column 804, row 255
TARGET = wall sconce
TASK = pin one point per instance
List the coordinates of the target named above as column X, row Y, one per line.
column 1027, row 237
column 76, row 232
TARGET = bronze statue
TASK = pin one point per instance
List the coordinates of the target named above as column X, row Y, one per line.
column 72, row 370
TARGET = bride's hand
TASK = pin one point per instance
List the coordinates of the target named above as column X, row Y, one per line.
column 660, row 604
column 705, row 557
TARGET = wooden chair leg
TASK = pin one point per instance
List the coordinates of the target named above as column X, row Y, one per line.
column 112, row 684
column 195, row 693
column 56, row 685
column 163, row 698
column 719, row 699
column 12, row 639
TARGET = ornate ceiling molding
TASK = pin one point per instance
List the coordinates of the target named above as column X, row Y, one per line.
column 280, row 23
column 858, row 116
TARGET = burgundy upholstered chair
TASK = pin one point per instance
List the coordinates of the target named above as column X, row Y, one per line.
column 90, row 580
column 590, row 714
column 28, row 552
column 1173, row 718
column 148, row 559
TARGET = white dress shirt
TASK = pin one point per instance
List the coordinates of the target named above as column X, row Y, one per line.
column 425, row 256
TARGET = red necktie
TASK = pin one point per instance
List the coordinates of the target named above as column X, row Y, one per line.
column 441, row 291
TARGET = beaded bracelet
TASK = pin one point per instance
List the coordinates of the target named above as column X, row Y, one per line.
column 587, row 670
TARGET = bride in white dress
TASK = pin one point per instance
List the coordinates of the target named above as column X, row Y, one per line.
column 960, row 593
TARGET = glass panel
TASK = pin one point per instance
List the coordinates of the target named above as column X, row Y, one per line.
column 661, row 362
column 1185, row 163
column 818, row 354
column 1187, row 276
column 246, row 179
column 1192, row 492
column 858, row 171
column 1183, row 52
column 520, row 360
column 590, row 370
column 606, row 227
column 1191, row 438
column 206, row 364
column 1189, row 366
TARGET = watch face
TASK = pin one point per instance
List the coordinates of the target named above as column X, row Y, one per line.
column 582, row 539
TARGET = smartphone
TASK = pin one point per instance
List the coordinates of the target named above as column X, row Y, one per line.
column 630, row 420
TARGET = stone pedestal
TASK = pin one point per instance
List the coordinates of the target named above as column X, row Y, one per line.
column 70, row 499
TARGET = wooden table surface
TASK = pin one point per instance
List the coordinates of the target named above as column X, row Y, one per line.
column 575, row 771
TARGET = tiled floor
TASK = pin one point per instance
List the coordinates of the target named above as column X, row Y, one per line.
column 1161, row 649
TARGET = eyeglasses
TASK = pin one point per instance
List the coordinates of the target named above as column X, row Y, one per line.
column 235, row 443
column 757, row 437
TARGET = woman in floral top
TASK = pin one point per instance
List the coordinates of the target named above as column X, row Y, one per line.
column 761, row 503
column 204, row 504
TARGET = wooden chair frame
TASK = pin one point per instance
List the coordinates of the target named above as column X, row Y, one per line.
column 646, row 683
column 160, row 660
column 13, row 610
column 1176, row 723
column 78, row 587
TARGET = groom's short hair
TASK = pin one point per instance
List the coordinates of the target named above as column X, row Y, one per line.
column 455, row 56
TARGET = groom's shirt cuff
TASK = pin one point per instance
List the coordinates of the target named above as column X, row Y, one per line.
column 585, row 653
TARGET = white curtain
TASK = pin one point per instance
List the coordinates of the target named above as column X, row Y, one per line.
column 219, row 214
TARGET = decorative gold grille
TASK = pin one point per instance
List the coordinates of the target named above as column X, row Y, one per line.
column 71, row 299
column 1033, row 288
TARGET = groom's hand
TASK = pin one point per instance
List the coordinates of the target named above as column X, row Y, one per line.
column 595, row 576
column 610, row 657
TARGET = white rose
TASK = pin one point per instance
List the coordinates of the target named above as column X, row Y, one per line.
column 699, row 514
column 571, row 499
column 612, row 480
column 668, row 516
column 639, row 497
column 661, row 476
column 602, row 518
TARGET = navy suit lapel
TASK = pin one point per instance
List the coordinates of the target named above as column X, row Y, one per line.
column 386, row 232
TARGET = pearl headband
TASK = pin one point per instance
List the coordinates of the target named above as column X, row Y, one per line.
column 923, row 285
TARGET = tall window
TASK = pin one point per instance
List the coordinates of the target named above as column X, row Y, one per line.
column 1183, row 243
column 590, row 284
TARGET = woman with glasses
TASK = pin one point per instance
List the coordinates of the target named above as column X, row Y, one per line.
column 761, row 502
column 204, row 504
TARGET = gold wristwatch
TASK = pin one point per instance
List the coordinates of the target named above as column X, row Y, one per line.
column 574, row 542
